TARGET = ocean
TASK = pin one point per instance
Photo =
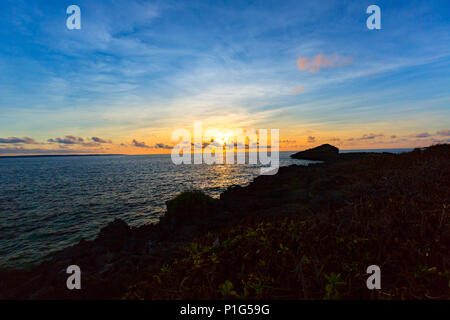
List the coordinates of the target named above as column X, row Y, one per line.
column 49, row 203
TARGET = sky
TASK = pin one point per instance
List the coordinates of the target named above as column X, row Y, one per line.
column 138, row 70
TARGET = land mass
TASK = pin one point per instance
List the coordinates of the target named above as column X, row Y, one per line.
column 328, row 153
column 308, row 232
column 60, row 155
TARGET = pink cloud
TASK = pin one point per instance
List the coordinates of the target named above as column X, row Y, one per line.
column 298, row 90
column 320, row 61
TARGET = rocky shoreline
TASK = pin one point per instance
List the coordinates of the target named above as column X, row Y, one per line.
column 121, row 256
column 110, row 262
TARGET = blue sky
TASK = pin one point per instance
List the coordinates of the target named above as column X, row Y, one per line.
column 137, row 70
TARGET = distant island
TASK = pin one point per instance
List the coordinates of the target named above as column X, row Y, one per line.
column 60, row 155
column 328, row 153
column 308, row 232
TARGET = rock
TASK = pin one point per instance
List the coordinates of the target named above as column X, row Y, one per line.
column 43, row 293
column 329, row 153
column 325, row 152
column 106, row 268
column 114, row 236
column 149, row 246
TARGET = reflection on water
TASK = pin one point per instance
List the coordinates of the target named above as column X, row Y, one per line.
column 49, row 203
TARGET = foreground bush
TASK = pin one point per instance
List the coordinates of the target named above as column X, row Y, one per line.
column 189, row 205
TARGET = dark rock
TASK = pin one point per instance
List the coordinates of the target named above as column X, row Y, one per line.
column 329, row 153
column 114, row 236
column 325, row 152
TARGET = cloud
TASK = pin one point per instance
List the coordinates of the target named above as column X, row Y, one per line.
column 203, row 145
column 21, row 150
column 73, row 140
column 393, row 136
column 25, row 140
column 158, row 145
column 334, row 139
column 311, row 139
column 100, row 140
column 140, row 144
column 422, row 135
column 298, row 90
column 228, row 145
column 67, row 140
column 162, row 146
column 287, row 141
column 370, row 136
column 320, row 61
column 444, row 133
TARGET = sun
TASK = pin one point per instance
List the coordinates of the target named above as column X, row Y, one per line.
column 220, row 140
column 223, row 137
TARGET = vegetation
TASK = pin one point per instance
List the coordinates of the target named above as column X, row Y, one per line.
column 189, row 205
column 392, row 212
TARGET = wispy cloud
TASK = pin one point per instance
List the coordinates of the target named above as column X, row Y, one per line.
column 74, row 140
column 366, row 137
column 140, row 144
column 320, row 61
column 422, row 135
column 371, row 136
column 288, row 141
column 444, row 133
column 157, row 145
column 15, row 140
column 100, row 140
column 298, row 90
column 67, row 140
column 22, row 150
column 162, row 146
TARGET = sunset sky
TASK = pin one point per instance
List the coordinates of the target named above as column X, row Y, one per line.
column 138, row 70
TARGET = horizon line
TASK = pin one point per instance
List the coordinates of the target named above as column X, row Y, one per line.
column 161, row 154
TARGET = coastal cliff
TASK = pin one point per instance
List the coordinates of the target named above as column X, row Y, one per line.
column 308, row 232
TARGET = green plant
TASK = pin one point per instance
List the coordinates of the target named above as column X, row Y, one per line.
column 331, row 288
